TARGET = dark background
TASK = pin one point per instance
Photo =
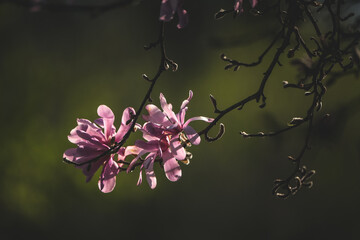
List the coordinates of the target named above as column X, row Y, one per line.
column 59, row 66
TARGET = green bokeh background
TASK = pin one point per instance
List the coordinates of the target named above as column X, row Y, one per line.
column 56, row 67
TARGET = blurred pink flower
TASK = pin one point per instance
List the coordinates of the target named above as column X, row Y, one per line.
column 238, row 7
column 169, row 8
column 92, row 141
column 36, row 5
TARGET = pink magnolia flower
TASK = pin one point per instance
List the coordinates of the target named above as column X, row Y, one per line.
column 165, row 133
column 93, row 141
column 169, row 8
column 238, row 7
column 157, row 145
column 175, row 123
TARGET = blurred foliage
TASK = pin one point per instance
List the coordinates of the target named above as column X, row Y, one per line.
column 56, row 67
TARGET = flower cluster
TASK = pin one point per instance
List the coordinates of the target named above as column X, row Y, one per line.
column 166, row 136
column 95, row 142
column 238, row 7
column 169, row 7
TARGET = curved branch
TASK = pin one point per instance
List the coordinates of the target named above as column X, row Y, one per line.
column 260, row 92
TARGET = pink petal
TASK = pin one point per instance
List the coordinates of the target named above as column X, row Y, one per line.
column 183, row 18
column 205, row 119
column 80, row 156
column 253, row 3
column 151, row 146
column 140, row 177
column 90, row 169
column 71, row 155
column 181, row 116
column 87, row 155
column 125, row 123
column 76, row 155
column 107, row 180
column 90, row 141
column 156, row 116
column 192, row 135
column 149, row 170
column 88, row 127
column 121, row 154
column 171, row 167
column 186, row 101
column 100, row 122
column 183, row 108
column 127, row 115
column 132, row 150
column 108, row 118
column 177, row 149
column 91, row 128
column 238, row 5
column 166, row 11
column 152, row 131
column 133, row 162
column 167, row 108
column 74, row 137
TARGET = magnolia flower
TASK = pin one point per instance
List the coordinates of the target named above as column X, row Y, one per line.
column 175, row 123
column 158, row 145
column 96, row 139
column 238, row 7
column 165, row 133
column 168, row 9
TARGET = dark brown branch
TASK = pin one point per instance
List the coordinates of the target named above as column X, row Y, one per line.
column 302, row 42
column 162, row 67
column 272, row 134
column 65, row 7
column 236, row 64
column 313, row 22
column 320, row 64
column 284, row 188
column 260, row 93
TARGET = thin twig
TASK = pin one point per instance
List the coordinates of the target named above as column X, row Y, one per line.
column 162, row 67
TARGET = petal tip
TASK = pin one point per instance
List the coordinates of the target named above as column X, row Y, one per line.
column 105, row 112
